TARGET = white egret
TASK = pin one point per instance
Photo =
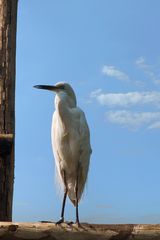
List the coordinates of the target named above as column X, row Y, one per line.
column 71, row 144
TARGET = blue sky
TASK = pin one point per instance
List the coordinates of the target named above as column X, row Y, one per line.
column 108, row 51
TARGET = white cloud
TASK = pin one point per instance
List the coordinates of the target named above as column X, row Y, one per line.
column 126, row 99
column 134, row 120
column 96, row 93
column 132, row 109
column 155, row 125
column 148, row 70
column 129, row 118
column 112, row 71
column 141, row 62
column 157, row 81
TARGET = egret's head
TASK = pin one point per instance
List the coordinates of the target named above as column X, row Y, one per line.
column 61, row 89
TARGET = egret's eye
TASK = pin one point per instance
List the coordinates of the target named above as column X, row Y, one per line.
column 62, row 87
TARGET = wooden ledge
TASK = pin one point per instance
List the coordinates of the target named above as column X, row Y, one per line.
column 49, row 231
column 6, row 136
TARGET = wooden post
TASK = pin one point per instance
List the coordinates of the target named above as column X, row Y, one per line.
column 8, row 19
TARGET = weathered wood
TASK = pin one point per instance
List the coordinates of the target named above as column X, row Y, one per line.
column 8, row 17
column 49, row 231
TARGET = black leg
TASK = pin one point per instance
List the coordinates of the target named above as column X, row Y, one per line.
column 63, row 207
column 64, row 202
column 77, row 213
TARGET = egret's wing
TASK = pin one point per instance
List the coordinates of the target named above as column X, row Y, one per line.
column 58, row 172
column 85, row 152
column 82, row 150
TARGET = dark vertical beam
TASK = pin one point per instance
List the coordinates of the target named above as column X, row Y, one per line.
column 8, row 21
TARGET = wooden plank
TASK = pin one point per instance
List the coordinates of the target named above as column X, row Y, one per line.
column 49, row 231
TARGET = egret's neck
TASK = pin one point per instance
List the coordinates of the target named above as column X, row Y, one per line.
column 63, row 104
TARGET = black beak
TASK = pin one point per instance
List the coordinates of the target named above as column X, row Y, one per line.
column 46, row 87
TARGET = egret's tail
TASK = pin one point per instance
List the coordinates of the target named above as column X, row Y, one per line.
column 72, row 192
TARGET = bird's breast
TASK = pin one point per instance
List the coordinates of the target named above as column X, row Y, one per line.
column 65, row 143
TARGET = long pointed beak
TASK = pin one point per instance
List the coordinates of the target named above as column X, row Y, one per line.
column 46, row 87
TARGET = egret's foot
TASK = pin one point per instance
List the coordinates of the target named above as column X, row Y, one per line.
column 70, row 223
column 78, row 225
column 60, row 221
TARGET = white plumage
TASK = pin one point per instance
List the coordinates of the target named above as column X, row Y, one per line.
column 71, row 143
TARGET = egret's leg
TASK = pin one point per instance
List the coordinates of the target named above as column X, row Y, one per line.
column 64, row 201
column 63, row 207
column 77, row 212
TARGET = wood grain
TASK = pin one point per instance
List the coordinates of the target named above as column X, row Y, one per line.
column 8, row 22
column 49, row 231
